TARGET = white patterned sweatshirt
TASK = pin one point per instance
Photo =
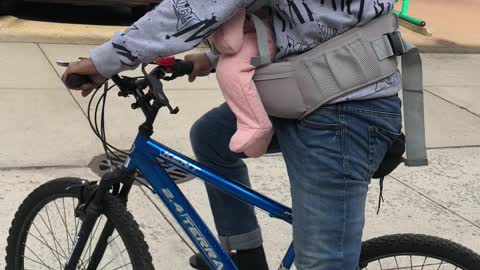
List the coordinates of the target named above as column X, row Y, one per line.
column 176, row 26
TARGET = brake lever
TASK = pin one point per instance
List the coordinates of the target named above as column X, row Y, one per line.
column 171, row 77
column 156, row 87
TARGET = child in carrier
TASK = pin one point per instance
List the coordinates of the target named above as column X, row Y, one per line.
column 236, row 42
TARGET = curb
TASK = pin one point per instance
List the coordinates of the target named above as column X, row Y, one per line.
column 17, row 30
column 13, row 29
column 449, row 50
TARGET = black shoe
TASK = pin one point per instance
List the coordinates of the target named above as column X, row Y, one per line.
column 251, row 259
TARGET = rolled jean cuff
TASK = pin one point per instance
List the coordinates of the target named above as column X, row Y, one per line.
column 244, row 241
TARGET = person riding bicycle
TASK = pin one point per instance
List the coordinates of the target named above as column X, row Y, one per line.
column 330, row 155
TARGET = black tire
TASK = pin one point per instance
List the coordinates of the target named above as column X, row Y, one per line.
column 61, row 189
column 431, row 248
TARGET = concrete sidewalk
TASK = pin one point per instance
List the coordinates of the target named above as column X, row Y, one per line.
column 44, row 135
column 452, row 24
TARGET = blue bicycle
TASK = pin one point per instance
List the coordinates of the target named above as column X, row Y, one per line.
column 74, row 224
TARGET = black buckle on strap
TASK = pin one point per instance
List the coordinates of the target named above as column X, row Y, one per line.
column 396, row 41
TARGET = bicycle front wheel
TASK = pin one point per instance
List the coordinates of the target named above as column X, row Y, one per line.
column 416, row 252
column 44, row 231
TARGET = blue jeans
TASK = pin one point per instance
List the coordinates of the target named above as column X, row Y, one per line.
column 330, row 157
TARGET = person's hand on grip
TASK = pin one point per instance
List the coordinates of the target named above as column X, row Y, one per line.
column 201, row 65
column 87, row 68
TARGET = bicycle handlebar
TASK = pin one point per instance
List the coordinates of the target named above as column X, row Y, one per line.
column 170, row 65
column 181, row 67
column 134, row 86
column 76, row 80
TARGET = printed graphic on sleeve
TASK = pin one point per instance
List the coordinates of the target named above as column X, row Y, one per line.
column 189, row 24
column 129, row 29
column 326, row 32
column 345, row 6
column 201, row 30
column 294, row 46
column 380, row 8
column 360, row 10
column 185, row 15
column 297, row 12
column 388, row 82
column 126, row 56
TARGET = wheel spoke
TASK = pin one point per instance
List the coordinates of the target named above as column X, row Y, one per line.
column 41, row 235
column 36, row 256
column 424, row 261
column 108, row 243
column 65, row 223
column 109, row 262
column 122, row 266
column 44, row 226
column 30, row 259
column 67, row 235
column 55, row 241
column 396, row 262
column 45, row 244
column 413, row 266
column 113, row 239
column 92, row 235
column 440, row 265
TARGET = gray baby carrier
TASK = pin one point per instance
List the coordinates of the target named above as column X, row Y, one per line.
column 340, row 66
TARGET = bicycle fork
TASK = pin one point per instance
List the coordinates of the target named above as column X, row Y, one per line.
column 89, row 209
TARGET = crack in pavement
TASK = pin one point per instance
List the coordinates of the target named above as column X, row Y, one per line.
column 453, row 103
column 60, row 77
column 435, row 202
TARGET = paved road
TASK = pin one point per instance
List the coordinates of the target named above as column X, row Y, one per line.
column 44, row 135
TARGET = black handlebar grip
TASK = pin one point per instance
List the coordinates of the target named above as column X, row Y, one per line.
column 183, row 68
column 75, row 80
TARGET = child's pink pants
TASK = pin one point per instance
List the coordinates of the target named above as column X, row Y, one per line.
column 237, row 43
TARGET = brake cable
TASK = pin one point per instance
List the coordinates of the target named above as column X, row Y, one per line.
column 101, row 135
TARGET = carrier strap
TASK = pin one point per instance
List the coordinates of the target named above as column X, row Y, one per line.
column 262, row 39
column 413, row 108
column 392, row 45
column 387, row 46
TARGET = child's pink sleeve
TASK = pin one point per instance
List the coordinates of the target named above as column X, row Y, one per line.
column 228, row 39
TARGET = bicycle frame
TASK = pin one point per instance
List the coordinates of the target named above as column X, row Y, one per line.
column 143, row 157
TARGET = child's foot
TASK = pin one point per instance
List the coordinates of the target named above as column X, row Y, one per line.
column 250, row 259
column 252, row 142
